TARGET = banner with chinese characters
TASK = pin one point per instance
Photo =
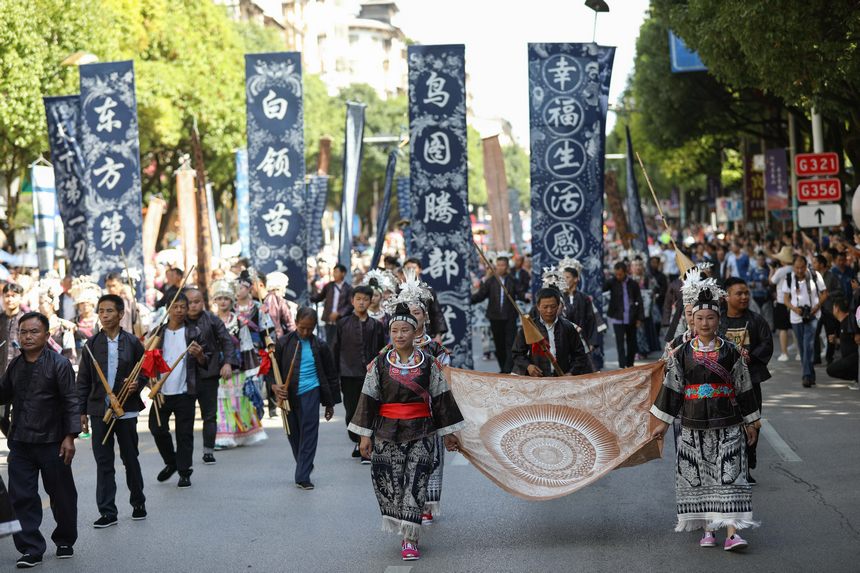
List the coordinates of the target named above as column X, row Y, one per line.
column 109, row 140
column 441, row 232
column 567, row 85
column 776, row 179
column 243, row 213
column 276, row 166
column 384, row 210
column 352, row 147
column 635, row 218
column 63, row 114
column 44, row 215
column 754, row 189
column 317, row 195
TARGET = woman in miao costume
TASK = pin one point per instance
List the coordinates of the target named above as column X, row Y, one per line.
column 708, row 384
column 404, row 403
column 240, row 404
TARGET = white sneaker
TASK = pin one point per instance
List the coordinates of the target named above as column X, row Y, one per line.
column 782, row 358
column 797, row 357
column 854, row 386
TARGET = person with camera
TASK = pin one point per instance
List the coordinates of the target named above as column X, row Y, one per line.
column 803, row 293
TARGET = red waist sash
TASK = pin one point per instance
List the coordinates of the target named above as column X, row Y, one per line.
column 405, row 411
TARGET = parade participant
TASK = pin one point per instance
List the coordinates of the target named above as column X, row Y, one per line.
column 67, row 303
column 114, row 285
column 240, row 403
column 276, row 319
column 9, row 320
column 404, row 402
column 219, row 364
column 174, row 278
column 310, row 380
column 750, row 332
column 358, row 339
column 501, row 313
column 562, row 338
column 335, row 296
column 437, row 327
column 247, row 312
column 625, row 313
column 383, row 284
column 86, row 294
column 577, row 307
column 179, row 390
column 682, row 327
column 708, row 384
column 117, row 351
column 803, row 294
column 62, row 332
column 40, row 386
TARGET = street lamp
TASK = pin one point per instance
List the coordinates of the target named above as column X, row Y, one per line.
column 598, row 6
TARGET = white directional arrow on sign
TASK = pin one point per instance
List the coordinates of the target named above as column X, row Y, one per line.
column 819, row 215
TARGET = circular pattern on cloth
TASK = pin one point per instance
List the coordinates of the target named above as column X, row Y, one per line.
column 549, row 445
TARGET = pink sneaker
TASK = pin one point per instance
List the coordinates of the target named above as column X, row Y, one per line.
column 708, row 540
column 409, row 551
column 427, row 518
column 735, row 542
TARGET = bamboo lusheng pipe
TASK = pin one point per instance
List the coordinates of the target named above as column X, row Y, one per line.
column 115, row 407
column 531, row 332
column 284, row 405
column 135, row 372
column 153, row 394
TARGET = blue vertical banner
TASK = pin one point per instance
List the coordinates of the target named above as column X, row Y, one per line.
column 317, row 195
column 635, row 218
column 352, row 148
column 111, row 150
column 404, row 207
column 384, row 210
column 441, row 231
column 63, row 114
column 243, row 206
column 276, row 166
column 568, row 84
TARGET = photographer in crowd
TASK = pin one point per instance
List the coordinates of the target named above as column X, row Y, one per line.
column 803, row 293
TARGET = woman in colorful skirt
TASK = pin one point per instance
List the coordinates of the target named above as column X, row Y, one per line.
column 240, row 405
column 708, row 384
column 404, row 403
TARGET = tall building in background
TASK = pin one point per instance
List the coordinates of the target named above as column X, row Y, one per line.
column 348, row 41
column 250, row 11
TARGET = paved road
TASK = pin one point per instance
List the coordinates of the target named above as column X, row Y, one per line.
column 244, row 514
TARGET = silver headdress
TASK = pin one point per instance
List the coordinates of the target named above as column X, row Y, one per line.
column 412, row 291
column 570, row 263
column 380, row 280
column 708, row 296
column 553, row 277
column 691, row 283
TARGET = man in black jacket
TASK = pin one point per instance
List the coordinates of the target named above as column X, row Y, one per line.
column 845, row 367
column 751, row 331
column 335, row 296
column 625, row 313
column 174, row 278
column 117, row 352
column 219, row 364
column 358, row 340
column 562, row 339
column 500, row 312
column 313, row 383
column 180, row 392
column 40, row 385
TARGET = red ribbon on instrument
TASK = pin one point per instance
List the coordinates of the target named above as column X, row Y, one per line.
column 265, row 363
column 539, row 349
column 154, row 364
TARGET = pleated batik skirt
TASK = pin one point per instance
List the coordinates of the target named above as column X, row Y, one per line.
column 400, row 473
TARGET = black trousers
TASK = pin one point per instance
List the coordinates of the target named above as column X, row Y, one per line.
column 207, row 397
column 844, row 368
column 25, row 463
column 182, row 406
column 350, row 387
column 330, row 330
column 504, row 332
column 752, row 460
column 125, row 433
column 625, row 343
column 272, row 400
column 830, row 325
column 304, row 421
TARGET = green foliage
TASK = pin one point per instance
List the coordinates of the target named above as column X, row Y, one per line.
column 477, row 185
column 517, row 172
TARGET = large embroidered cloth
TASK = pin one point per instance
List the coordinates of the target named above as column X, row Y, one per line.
column 543, row 438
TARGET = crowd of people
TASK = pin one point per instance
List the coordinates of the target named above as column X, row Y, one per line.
column 710, row 309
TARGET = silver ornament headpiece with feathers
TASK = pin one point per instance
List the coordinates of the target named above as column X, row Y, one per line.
column 412, row 291
column 380, row 280
column 553, row 277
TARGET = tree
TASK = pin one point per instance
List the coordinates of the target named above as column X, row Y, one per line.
column 805, row 53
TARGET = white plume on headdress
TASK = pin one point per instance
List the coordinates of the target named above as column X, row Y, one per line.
column 412, row 290
column 692, row 290
column 277, row 281
column 554, row 277
column 570, row 263
column 691, row 283
column 84, row 289
column 222, row 287
column 383, row 280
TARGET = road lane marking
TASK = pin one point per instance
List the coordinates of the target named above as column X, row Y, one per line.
column 398, row 569
column 777, row 443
